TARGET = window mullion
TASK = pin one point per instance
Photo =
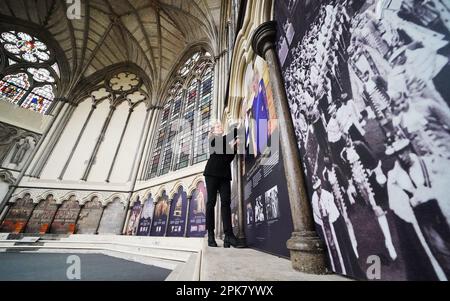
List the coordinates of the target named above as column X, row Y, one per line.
column 197, row 117
column 175, row 157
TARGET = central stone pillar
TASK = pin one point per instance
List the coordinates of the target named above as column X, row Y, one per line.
column 307, row 250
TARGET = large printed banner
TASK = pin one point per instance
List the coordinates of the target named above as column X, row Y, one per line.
column 135, row 215
column 368, row 84
column 178, row 214
column 145, row 222
column 160, row 216
column 268, row 213
column 197, row 212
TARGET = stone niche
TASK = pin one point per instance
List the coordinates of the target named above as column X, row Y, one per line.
column 113, row 218
column 16, row 146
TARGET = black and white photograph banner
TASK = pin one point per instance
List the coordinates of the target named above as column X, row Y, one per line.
column 368, row 84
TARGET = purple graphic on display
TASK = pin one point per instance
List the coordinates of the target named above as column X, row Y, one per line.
column 160, row 217
column 197, row 212
column 177, row 219
column 134, row 218
column 145, row 223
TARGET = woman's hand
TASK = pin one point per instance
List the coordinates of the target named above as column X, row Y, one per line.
column 235, row 142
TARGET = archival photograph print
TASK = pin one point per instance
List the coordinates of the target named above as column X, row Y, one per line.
column 197, row 212
column 368, row 88
column 161, row 213
column 259, row 210
column 272, row 209
column 178, row 214
column 135, row 216
column 249, row 214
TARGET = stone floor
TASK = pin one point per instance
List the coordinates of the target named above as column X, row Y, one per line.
column 16, row 266
column 220, row 264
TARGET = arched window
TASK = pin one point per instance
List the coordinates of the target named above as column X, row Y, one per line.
column 29, row 74
column 184, row 122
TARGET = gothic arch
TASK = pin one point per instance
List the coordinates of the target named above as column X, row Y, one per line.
column 190, row 50
column 113, row 197
column 135, row 198
column 175, row 188
column 21, row 195
column 160, row 191
column 88, row 198
column 194, row 184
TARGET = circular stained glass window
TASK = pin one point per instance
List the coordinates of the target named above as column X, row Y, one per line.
column 25, row 47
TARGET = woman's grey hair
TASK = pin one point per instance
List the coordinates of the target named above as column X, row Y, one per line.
column 213, row 125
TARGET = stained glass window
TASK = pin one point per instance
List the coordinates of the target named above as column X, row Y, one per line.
column 33, row 87
column 186, row 130
column 25, row 47
column 159, row 141
column 40, row 99
column 41, row 75
column 172, row 132
column 203, row 118
column 185, row 118
column 14, row 87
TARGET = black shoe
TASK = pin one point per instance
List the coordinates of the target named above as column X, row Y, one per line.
column 212, row 240
column 231, row 240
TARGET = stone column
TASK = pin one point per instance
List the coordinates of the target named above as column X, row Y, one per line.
column 53, row 218
column 168, row 218
column 127, row 218
column 29, row 217
column 61, row 121
column 187, row 216
column 125, row 127
column 241, row 208
column 4, row 212
column 77, row 141
column 307, row 249
column 100, row 219
column 149, row 142
column 140, row 148
column 99, row 142
column 78, row 217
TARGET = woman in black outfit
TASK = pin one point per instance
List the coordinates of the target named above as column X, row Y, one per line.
column 218, row 179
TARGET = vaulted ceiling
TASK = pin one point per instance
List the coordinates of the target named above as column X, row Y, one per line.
column 150, row 33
